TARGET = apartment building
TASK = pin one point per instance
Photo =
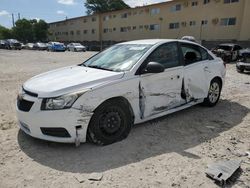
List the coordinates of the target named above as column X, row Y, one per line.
column 209, row 20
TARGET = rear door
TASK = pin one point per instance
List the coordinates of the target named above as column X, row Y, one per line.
column 196, row 83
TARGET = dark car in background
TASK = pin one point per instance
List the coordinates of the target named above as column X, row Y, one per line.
column 244, row 61
column 56, row 47
column 13, row 44
column 4, row 44
column 228, row 52
column 40, row 46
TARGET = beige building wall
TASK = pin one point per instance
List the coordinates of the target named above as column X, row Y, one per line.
column 84, row 28
column 245, row 27
column 154, row 21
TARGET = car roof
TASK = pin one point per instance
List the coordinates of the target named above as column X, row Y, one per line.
column 156, row 41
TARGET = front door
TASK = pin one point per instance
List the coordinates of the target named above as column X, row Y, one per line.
column 162, row 91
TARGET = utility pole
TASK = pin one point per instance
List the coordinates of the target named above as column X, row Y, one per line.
column 19, row 17
column 13, row 20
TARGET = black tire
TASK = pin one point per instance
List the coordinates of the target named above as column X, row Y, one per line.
column 110, row 123
column 240, row 70
column 213, row 93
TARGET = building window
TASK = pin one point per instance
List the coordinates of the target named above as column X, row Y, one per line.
column 105, row 18
column 206, row 2
column 93, row 19
column 155, row 11
column 141, row 27
column 194, row 3
column 114, row 29
column 204, row 22
column 134, row 27
column 78, row 32
column 93, row 31
column 85, row 20
column 124, row 15
column 154, row 27
column 227, row 21
column 105, row 30
column 134, row 13
column 230, row 1
column 174, row 25
column 141, row 11
column 85, row 31
column 71, row 32
column 123, row 29
column 192, row 23
column 176, row 8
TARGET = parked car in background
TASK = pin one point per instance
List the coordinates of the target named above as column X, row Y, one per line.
column 40, row 46
column 4, row 44
column 76, row 47
column 244, row 61
column 29, row 46
column 126, row 84
column 56, row 47
column 228, row 52
column 189, row 38
column 14, row 44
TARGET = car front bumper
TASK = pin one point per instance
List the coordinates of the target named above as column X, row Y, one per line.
column 65, row 126
column 243, row 65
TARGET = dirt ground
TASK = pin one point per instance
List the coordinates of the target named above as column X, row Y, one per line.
column 172, row 151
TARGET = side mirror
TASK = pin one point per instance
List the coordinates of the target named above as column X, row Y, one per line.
column 154, row 67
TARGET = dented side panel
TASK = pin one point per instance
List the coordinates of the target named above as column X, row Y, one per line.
column 196, row 83
column 160, row 92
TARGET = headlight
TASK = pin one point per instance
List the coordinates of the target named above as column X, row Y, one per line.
column 59, row 103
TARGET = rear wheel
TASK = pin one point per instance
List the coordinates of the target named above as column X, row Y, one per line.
column 110, row 123
column 213, row 93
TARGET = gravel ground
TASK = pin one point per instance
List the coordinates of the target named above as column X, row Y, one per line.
column 172, row 151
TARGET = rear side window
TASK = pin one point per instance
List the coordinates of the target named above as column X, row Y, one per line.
column 166, row 54
column 191, row 53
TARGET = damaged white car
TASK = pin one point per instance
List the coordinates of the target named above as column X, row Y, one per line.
column 127, row 84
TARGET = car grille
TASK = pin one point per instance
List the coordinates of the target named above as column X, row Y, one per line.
column 57, row 132
column 24, row 105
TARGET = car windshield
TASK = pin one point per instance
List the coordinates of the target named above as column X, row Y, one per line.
column 121, row 57
column 224, row 47
column 76, row 44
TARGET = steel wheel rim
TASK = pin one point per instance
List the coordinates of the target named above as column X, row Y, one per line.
column 214, row 92
column 110, row 123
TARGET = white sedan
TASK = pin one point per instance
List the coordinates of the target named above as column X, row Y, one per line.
column 129, row 83
column 76, row 47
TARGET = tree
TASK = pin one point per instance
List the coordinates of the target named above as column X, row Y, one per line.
column 30, row 30
column 23, row 30
column 100, row 6
column 5, row 33
column 40, row 30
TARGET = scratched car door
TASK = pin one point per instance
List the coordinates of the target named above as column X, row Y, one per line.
column 162, row 91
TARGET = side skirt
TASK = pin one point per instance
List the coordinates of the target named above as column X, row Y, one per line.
column 171, row 111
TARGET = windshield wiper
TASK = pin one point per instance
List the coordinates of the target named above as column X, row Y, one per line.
column 97, row 67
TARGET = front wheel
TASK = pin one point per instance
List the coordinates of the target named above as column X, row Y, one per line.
column 213, row 93
column 240, row 69
column 110, row 123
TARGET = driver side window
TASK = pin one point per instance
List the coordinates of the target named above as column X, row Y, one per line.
column 166, row 54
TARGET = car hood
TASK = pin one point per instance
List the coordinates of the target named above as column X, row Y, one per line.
column 69, row 79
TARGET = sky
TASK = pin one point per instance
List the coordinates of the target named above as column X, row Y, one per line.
column 50, row 10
